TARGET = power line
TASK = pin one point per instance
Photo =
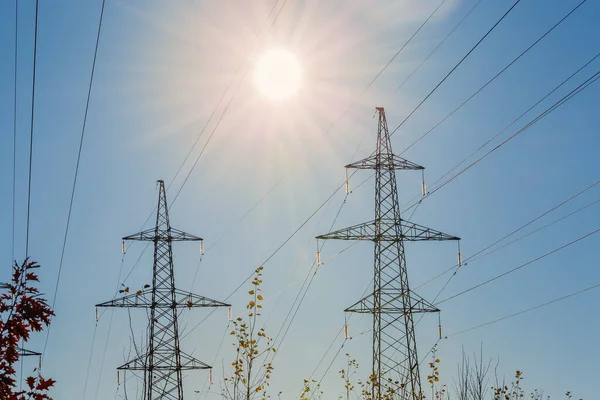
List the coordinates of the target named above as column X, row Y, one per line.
column 31, row 126
column 14, row 178
column 495, row 76
column 85, row 115
column 474, row 257
column 535, row 219
column 537, row 230
column 524, row 311
column 455, row 67
column 549, row 110
column 520, row 266
column 275, row 251
column 338, row 119
column 87, row 373
column 413, row 202
column 439, row 45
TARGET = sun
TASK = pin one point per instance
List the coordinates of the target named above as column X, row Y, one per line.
column 278, row 75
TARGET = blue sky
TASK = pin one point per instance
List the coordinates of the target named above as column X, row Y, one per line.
column 161, row 69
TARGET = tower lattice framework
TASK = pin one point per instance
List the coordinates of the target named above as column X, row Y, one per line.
column 392, row 303
column 164, row 361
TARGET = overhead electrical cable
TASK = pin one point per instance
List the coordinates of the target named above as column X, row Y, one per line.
column 494, row 77
column 477, row 255
column 35, row 37
column 454, row 68
column 414, row 202
column 549, row 110
column 537, row 230
column 439, row 45
column 520, row 266
column 89, row 366
column 82, row 135
column 14, row 171
column 338, row 188
column 525, row 311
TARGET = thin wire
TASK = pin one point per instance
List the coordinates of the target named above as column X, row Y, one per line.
column 216, row 355
column 263, row 197
column 112, row 313
column 494, row 77
column 474, row 257
column 12, row 255
column 323, row 357
column 524, row 311
column 537, row 230
column 85, row 115
column 31, row 126
column 455, row 67
column 516, row 119
column 414, row 203
column 535, row 219
column 87, row 374
column 329, row 366
column 274, row 252
column 439, row 45
column 549, row 110
column 520, row 266
column 338, row 119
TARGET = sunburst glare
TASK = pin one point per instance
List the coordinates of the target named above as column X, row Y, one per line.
column 277, row 74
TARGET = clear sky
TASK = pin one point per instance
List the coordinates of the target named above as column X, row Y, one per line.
column 162, row 67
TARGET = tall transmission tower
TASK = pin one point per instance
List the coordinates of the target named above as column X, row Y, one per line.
column 163, row 362
column 395, row 361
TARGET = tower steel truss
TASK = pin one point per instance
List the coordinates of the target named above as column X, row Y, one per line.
column 392, row 303
column 163, row 362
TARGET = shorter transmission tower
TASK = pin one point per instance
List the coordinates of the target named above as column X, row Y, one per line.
column 163, row 362
column 392, row 303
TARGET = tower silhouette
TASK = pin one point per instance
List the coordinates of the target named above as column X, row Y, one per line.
column 392, row 303
column 164, row 361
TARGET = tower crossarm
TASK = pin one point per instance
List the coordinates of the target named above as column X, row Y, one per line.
column 392, row 304
column 143, row 299
column 169, row 235
column 388, row 231
column 25, row 353
column 187, row 363
column 386, row 161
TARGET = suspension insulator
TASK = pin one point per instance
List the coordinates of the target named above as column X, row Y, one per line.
column 347, row 183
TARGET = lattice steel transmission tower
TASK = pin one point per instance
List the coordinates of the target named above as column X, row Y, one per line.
column 163, row 362
column 392, row 303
